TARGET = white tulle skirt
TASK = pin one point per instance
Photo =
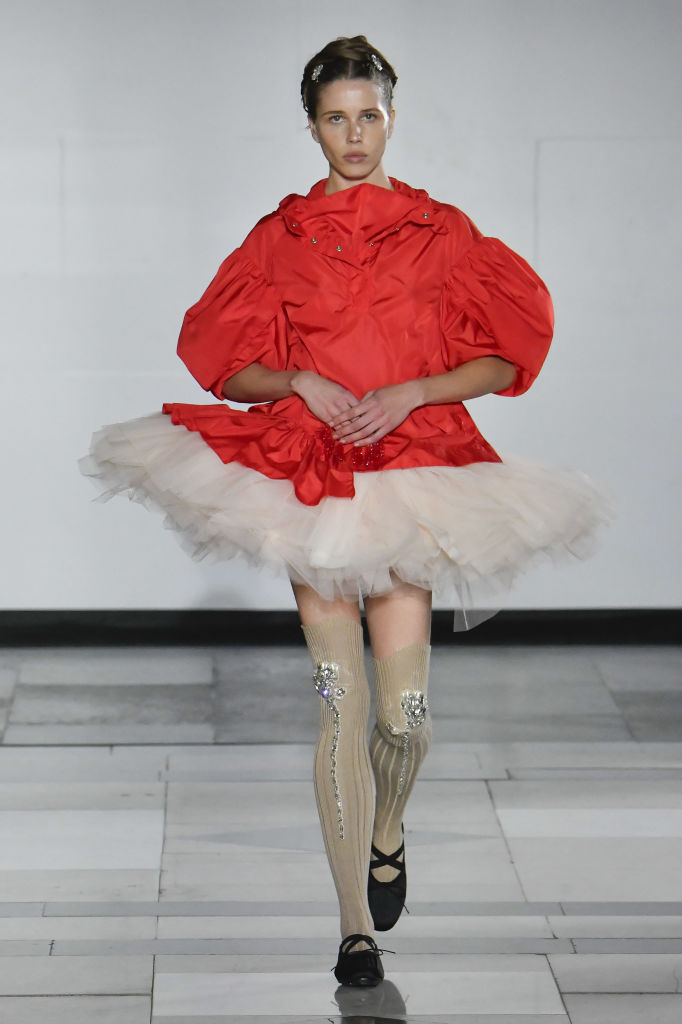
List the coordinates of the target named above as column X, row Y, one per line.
column 465, row 533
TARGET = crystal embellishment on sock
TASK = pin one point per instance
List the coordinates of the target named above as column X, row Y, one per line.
column 326, row 681
column 414, row 706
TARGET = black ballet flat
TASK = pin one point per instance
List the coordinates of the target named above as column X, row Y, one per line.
column 361, row 968
column 387, row 899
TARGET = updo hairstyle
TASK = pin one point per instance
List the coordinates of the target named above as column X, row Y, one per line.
column 346, row 58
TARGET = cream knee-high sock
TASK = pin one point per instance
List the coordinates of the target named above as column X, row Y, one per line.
column 344, row 783
column 399, row 741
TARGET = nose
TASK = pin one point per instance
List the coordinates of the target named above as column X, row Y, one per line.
column 354, row 131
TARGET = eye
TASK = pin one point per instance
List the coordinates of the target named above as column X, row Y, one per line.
column 370, row 117
column 335, row 118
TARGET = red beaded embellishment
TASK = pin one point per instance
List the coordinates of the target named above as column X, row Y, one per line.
column 368, row 456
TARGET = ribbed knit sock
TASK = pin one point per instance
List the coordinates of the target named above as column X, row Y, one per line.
column 344, row 783
column 399, row 741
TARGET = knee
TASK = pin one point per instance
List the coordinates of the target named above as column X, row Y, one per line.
column 341, row 696
column 406, row 716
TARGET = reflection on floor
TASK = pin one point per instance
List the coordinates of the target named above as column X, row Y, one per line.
column 160, row 858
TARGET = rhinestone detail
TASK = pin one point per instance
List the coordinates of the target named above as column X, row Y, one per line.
column 326, row 680
column 414, row 706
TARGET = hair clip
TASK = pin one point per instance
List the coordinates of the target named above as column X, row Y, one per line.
column 376, row 62
column 315, row 73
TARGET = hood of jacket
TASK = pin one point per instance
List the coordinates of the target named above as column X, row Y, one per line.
column 361, row 215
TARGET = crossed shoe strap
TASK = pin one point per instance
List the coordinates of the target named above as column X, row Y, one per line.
column 354, row 940
column 389, row 860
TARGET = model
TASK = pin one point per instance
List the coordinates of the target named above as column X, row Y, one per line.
column 360, row 316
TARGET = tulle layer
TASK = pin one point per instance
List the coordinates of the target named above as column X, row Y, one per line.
column 463, row 532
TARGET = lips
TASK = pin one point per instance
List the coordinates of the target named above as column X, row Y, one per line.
column 355, row 157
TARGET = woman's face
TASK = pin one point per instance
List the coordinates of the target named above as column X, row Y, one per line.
column 352, row 125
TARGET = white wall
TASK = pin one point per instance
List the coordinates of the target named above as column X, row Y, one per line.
column 141, row 139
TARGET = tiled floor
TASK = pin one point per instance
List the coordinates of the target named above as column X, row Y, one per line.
column 160, row 858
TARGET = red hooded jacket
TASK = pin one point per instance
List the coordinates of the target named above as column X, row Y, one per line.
column 366, row 287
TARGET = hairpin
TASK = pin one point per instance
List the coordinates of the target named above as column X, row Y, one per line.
column 315, row 73
column 376, row 62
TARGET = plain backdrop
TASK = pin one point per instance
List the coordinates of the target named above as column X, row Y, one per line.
column 141, row 140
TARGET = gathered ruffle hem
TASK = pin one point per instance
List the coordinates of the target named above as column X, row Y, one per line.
column 464, row 532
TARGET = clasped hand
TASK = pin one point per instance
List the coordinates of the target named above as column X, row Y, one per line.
column 357, row 421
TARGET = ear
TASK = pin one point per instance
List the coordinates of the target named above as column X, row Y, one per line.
column 391, row 122
column 313, row 129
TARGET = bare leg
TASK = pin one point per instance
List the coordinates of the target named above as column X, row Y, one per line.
column 398, row 619
column 344, row 782
column 399, row 626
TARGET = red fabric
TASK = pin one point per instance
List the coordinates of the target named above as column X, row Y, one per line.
column 366, row 287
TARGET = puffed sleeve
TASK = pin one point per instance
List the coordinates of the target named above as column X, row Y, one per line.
column 237, row 321
column 494, row 304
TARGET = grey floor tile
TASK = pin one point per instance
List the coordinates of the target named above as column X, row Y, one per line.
column 75, row 1009
column 78, row 928
column 546, row 732
column 626, row 907
column 230, row 805
column 363, row 1018
column 617, row 972
column 116, row 666
column 475, row 868
column 8, row 680
column 274, row 946
column 624, row 1009
column 312, row 927
column 93, row 841
column 573, row 793
column 521, row 724
column 78, row 885
column 653, row 715
column 469, row 989
column 71, row 795
column 583, row 869
column 316, row 963
column 242, row 762
column 557, row 755
column 542, row 665
column 21, row 909
column 284, row 675
column 122, row 733
column 78, row 975
column 65, row 704
column 76, row 764
column 646, row 668
column 586, row 775
column 629, row 945
column 23, row 948
column 424, row 963
column 458, row 761
column 191, row 908
column 621, row 927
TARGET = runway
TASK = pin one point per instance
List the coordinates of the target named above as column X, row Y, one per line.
column 160, row 856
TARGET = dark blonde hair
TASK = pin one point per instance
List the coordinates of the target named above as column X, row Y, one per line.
column 346, row 58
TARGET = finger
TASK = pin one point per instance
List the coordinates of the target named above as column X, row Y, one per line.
column 372, row 439
column 354, row 427
column 364, row 434
column 358, row 411
column 343, row 415
column 348, row 418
